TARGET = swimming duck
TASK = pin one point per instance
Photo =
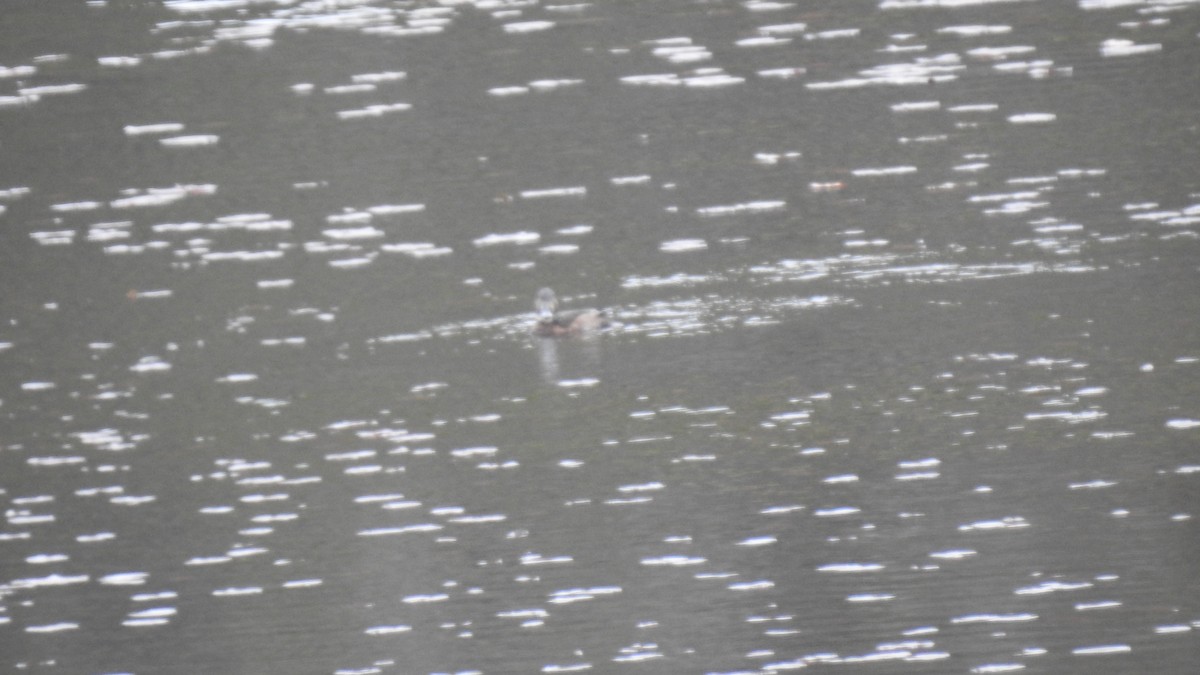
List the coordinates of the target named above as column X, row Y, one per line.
column 551, row 323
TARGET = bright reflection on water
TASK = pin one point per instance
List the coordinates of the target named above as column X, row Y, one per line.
column 901, row 374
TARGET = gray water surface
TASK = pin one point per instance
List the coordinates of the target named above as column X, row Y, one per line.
column 904, row 371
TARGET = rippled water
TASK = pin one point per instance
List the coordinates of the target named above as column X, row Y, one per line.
column 902, row 377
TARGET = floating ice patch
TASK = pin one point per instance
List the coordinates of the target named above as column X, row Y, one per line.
column 131, row 500
column 641, row 487
column 191, row 141
column 878, row 597
column 16, row 71
column 348, row 233
column 424, row 598
column 673, row 561
column 348, row 216
column 386, row 76
column 995, row 618
column 1069, row 416
column 776, row 510
column 713, row 80
column 46, row 558
column 52, row 627
column 884, row 171
column 744, row 207
column 953, row 554
column 683, row 245
column 538, row 559
column 387, row 630
column 392, row 209
column 486, row 451
column 763, row 41
column 1117, row 47
column 758, row 541
column 975, row 30
column 833, row 512
column 1032, row 118
column 527, row 26
column 156, row 198
column 916, row 106
column 51, row 90
column 1007, row 523
column 852, row 568
column 574, row 230
column 575, row 191
column 782, row 73
column 1108, row 4
column 377, row 110
column 12, row 101
column 772, row 158
column 243, row 256
column 67, row 207
column 918, row 475
column 767, row 5
column 159, row 128
column 683, row 53
column 49, row 580
column 508, row 91
column 351, row 263
column 759, row 585
column 783, row 28
column 566, row 668
column 150, row 364
column 385, row 531
column 237, row 591
column 550, row 85
column 518, row 238
column 356, row 88
column 1097, row 604
column 53, row 237
column 653, row 80
column 417, row 249
column 630, row 180
column 1100, row 650
column 974, row 107
column 125, row 579
column 118, row 61
column 1091, row 485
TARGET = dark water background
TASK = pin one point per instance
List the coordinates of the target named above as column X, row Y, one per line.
column 904, row 376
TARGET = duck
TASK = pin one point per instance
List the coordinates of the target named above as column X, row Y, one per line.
column 552, row 323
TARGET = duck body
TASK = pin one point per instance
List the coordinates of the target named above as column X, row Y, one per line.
column 552, row 323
